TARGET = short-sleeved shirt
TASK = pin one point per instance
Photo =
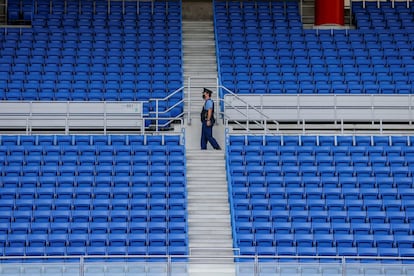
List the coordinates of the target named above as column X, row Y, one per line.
column 208, row 105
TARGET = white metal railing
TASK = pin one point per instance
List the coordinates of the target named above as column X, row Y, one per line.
column 319, row 108
column 170, row 265
column 242, row 119
column 159, row 115
column 88, row 115
column 71, row 115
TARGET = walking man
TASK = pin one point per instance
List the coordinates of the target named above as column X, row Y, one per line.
column 207, row 121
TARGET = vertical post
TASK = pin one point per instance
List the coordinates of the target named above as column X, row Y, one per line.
column 156, row 114
column 67, row 119
column 81, row 266
column 6, row 19
column 189, row 101
column 105, row 118
column 152, row 7
column 218, row 101
column 169, row 263
column 256, row 265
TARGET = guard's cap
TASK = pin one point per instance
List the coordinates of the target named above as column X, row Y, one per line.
column 206, row 90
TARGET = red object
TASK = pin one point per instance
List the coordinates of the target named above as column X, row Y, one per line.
column 329, row 12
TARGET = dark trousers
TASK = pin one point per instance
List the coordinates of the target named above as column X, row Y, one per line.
column 207, row 136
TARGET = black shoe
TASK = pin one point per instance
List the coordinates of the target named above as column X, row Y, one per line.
column 218, row 148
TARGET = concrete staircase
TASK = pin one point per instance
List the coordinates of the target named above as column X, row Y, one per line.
column 209, row 226
column 200, row 66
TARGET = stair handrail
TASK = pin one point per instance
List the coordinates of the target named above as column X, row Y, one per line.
column 157, row 113
column 264, row 117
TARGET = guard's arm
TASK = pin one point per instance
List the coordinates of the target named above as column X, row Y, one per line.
column 209, row 115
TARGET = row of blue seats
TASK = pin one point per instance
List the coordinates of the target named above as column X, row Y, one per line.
column 297, row 175
column 348, row 190
column 374, row 153
column 312, row 89
column 320, row 181
column 154, row 173
column 160, row 217
column 92, row 155
column 175, row 190
column 90, row 180
column 74, row 9
column 63, row 151
column 321, row 155
column 315, row 39
column 145, row 228
column 105, row 95
column 76, row 221
column 325, row 240
column 253, row 9
column 305, row 166
column 320, row 216
column 121, row 164
column 16, row 39
column 321, row 140
column 146, row 141
column 93, row 251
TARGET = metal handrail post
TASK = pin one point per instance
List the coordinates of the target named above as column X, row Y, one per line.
column 217, row 110
column 81, row 266
column 189, row 101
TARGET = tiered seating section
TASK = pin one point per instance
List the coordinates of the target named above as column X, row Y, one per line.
column 322, row 195
column 262, row 48
column 92, row 195
column 77, row 51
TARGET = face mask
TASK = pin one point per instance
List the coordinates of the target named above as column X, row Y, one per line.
column 204, row 97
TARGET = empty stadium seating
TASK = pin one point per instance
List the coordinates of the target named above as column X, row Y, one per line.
column 340, row 202
column 262, row 48
column 75, row 203
column 85, row 51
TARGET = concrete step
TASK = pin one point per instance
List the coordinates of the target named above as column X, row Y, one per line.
column 200, row 268
column 206, row 210
column 218, row 200
column 203, row 189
